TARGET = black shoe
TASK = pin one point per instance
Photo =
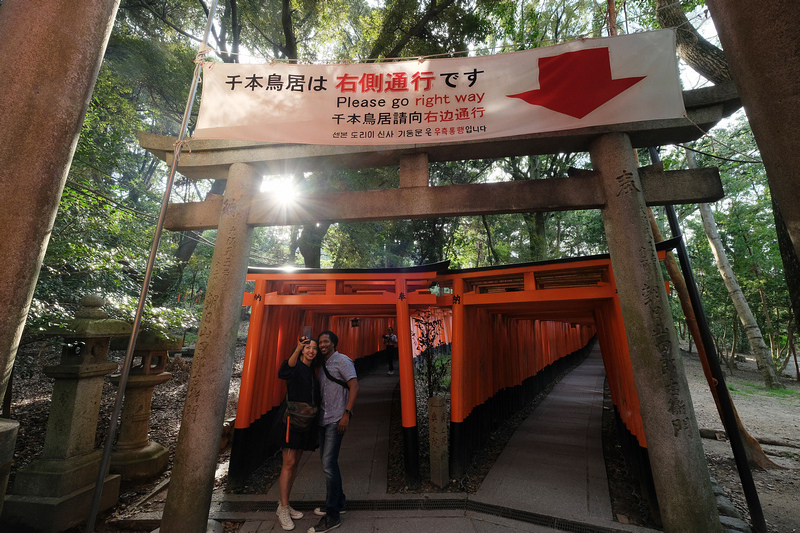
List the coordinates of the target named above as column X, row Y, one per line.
column 325, row 524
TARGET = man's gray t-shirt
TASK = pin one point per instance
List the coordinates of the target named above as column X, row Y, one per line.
column 334, row 396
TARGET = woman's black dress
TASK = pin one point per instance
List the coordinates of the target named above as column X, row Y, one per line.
column 300, row 381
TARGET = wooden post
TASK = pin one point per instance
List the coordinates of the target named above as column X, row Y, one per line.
column 438, row 438
column 189, row 497
column 680, row 472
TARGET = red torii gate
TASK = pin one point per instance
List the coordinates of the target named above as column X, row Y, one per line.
column 510, row 327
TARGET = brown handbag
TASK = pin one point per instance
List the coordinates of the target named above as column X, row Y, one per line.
column 299, row 414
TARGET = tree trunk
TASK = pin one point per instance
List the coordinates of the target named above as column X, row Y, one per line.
column 734, row 341
column 774, row 350
column 773, row 95
column 53, row 53
column 753, row 332
column 760, row 45
column 705, row 58
column 791, row 263
column 535, row 228
column 310, row 243
column 789, row 345
column 490, row 244
column 535, row 223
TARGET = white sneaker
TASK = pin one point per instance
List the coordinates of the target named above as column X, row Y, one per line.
column 284, row 518
column 319, row 511
column 295, row 514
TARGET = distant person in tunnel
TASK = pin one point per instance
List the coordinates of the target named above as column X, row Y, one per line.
column 390, row 341
column 339, row 388
column 301, row 386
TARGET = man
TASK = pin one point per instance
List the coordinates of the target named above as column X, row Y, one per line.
column 390, row 340
column 339, row 388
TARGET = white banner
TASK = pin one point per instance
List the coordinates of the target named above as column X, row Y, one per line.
column 611, row 80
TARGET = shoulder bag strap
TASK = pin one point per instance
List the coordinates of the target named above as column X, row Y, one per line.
column 339, row 381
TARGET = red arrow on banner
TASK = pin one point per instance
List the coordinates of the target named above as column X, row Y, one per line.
column 576, row 83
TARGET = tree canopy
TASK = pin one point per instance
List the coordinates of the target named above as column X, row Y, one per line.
column 108, row 210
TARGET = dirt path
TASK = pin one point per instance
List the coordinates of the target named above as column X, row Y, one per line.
column 769, row 416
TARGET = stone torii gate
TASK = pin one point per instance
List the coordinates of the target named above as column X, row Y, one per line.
column 616, row 186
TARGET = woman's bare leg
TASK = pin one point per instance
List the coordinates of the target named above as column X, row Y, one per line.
column 291, row 459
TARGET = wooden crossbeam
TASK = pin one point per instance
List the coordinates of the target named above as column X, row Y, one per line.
column 554, row 194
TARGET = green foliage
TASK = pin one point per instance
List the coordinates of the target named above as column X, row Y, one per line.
column 411, row 28
column 521, row 26
column 103, row 231
column 788, row 396
column 104, row 228
column 747, row 229
column 643, row 11
column 433, row 362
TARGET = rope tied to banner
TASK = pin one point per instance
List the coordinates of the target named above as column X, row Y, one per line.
column 179, row 144
column 202, row 52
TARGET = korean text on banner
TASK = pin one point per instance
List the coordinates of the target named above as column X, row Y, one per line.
column 592, row 82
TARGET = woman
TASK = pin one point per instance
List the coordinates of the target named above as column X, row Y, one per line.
column 301, row 386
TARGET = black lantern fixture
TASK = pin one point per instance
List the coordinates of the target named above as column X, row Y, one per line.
column 354, row 322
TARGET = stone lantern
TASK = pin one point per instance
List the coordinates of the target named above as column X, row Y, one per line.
column 135, row 456
column 54, row 492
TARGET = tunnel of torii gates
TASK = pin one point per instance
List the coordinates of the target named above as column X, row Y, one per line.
column 509, row 329
column 499, row 339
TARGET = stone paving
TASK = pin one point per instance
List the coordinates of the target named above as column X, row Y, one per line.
column 550, row 477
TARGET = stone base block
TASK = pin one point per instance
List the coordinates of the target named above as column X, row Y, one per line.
column 8, row 438
column 55, row 514
column 141, row 464
column 53, row 478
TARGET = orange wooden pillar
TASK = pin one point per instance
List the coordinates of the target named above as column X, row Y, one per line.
column 248, row 449
column 408, row 397
column 244, row 409
column 458, row 400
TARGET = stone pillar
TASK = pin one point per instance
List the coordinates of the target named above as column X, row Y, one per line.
column 680, row 472
column 53, row 54
column 55, row 492
column 189, row 496
column 135, row 456
column 438, row 437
